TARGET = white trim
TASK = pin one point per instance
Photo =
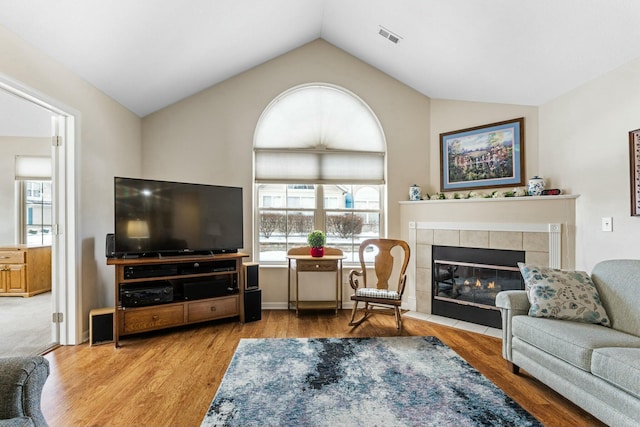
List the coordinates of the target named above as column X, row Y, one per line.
column 411, row 301
column 555, row 246
column 484, row 226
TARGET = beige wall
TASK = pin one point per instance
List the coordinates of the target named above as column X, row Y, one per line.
column 447, row 116
column 582, row 144
column 577, row 142
column 208, row 137
column 584, row 149
column 10, row 147
column 108, row 145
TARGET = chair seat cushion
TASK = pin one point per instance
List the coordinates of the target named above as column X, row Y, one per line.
column 377, row 293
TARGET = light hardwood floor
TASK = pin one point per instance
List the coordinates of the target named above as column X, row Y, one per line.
column 169, row 378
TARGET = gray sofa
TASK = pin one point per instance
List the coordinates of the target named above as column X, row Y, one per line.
column 21, row 383
column 596, row 367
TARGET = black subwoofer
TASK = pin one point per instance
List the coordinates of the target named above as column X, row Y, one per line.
column 252, row 305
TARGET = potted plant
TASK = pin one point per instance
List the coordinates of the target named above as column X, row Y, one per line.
column 316, row 240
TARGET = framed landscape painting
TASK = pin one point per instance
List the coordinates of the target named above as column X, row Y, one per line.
column 485, row 156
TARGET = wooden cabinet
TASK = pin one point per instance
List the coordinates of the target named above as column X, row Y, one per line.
column 199, row 311
column 143, row 319
column 223, row 273
column 25, row 271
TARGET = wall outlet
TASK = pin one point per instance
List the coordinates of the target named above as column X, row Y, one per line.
column 607, row 224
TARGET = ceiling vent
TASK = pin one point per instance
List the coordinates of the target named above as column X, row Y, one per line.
column 394, row 38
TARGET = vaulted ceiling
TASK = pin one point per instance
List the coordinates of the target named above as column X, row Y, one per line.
column 147, row 54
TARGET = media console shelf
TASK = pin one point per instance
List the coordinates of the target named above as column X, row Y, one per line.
column 159, row 293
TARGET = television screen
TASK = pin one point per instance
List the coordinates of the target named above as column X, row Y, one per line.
column 154, row 217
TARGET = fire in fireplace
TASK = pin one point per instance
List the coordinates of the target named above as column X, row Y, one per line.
column 467, row 280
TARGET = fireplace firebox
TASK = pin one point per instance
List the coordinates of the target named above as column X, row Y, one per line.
column 467, row 280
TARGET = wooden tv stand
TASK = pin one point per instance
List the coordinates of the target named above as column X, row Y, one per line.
column 152, row 273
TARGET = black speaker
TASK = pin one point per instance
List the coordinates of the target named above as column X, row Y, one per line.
column 110, row 249
column 251, row 270
column 252, row 305
column 101, row 325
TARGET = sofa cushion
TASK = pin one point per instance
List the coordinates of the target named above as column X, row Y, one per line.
column 619, row 366
column 618, row 282
column 561, row 294
column 570, row 341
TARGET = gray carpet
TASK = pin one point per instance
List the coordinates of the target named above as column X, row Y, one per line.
column 25, row 325
column 395, row 381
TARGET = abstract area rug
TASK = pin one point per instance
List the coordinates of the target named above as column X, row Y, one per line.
column 395, row 381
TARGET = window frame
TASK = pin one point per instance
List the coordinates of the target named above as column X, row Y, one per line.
column 22, row 208
column 320, row 213
column 332, row 137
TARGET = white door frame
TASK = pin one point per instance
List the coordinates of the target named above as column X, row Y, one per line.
column 65, row 262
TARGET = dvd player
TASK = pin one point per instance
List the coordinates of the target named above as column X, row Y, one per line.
column 206, row 267
column 182, row 269
column 148, row 295
column 155, row 270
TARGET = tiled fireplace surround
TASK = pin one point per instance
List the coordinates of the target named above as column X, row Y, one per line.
column 543, row 227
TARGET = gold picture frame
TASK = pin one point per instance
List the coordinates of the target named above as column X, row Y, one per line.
column 486, row 156
column 634, row 169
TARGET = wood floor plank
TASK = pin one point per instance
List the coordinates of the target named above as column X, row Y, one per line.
column 168, row 378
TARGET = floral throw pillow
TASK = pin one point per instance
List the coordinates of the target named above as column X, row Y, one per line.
column 561, row 294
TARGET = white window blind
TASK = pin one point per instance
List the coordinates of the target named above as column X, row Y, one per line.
column 33, row 168
column 320, row 134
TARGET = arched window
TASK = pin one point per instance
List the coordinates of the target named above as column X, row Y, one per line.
column 319, row 163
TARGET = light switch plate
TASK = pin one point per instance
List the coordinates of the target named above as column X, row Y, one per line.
column 607, row 224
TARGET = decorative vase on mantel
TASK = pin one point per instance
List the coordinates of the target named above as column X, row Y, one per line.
column 316, row 240
column 414, row 192
column 536, row 186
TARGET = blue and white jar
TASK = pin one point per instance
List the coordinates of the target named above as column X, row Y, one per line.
column 414, row 192
column 536, row 186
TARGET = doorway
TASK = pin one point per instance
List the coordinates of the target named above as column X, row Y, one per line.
column 33, row 115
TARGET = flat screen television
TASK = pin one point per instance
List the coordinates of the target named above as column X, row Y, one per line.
column 173, row 218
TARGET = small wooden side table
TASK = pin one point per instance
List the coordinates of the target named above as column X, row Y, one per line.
column 300, row 261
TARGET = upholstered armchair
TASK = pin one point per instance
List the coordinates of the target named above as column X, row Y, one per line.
column 21, row 383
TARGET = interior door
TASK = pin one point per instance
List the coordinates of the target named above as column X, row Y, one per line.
column 25, row 130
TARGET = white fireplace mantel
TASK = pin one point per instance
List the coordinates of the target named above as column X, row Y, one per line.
column 553, row 230
column 525, row 199
column 543, row 227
